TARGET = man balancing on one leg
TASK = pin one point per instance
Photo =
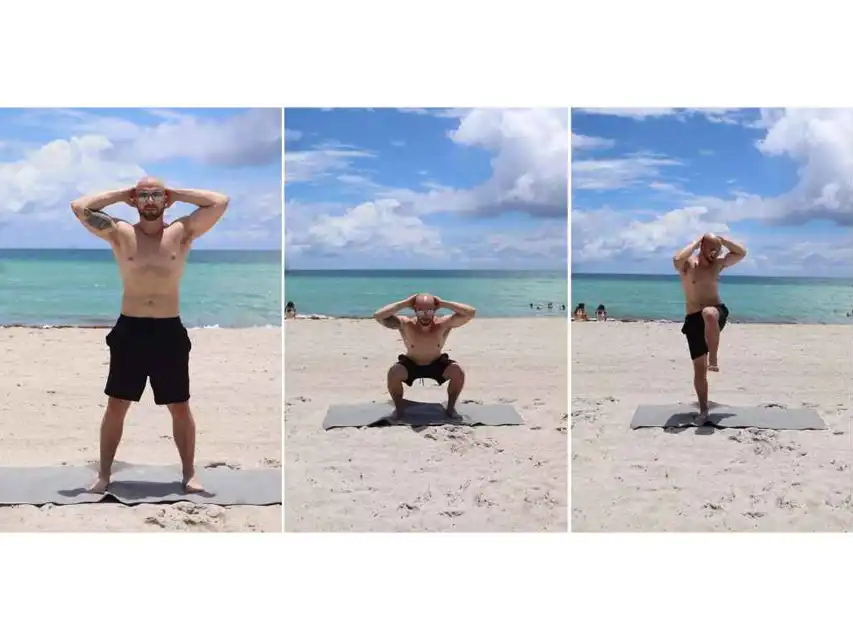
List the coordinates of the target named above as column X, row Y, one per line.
column 149, row 340
column 424, row 337
column 706, row 314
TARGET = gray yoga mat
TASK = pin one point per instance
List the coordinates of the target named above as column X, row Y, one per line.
column 419, row 414
column 138, row 484
column 726, row 417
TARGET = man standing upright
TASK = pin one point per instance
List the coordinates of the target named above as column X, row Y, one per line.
column 149, row 341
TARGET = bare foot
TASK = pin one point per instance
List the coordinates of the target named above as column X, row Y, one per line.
column 451, row 413
column 99, row 486
column 701, row 419
column 712, row 365
column 191, row 485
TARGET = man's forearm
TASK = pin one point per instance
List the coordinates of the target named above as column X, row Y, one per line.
column 98, row 201
column 198, row 197
column 687, row 251
column 394, row 307
column 458, row 307
column 734, row 247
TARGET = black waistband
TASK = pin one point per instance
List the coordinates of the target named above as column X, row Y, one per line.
column 149, row 322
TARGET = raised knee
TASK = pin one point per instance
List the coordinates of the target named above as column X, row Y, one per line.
column 117, row 407
column 710, row 314
column 397, row 373
column 454, row 372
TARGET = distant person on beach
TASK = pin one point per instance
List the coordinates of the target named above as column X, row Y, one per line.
column 601, row 313
column 706, row 315
column 290, row 310
column 424, row 337
column 149, row 340
column 550, row 305
column 562, row 307
column 580, row 312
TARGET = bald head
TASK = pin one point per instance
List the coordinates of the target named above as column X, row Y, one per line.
column 425, row 301
column 150, row 182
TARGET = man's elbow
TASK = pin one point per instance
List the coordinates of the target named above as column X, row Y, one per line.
column 77, row 208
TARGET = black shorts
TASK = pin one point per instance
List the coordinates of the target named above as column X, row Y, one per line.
column 694, row 330
column 149, row 348
column 432, row 371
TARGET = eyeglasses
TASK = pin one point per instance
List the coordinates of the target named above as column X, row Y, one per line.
column 154, row 195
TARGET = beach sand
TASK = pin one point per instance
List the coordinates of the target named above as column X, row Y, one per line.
column 443, row 478
column 53, row 400
column 722, row 480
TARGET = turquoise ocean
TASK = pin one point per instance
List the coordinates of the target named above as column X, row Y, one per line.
column 496, row 294
column 749, row 299
column 47, row 287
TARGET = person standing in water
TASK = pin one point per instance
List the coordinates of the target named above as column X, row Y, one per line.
column 424, row 337
column 149, row 341
column 706, row 315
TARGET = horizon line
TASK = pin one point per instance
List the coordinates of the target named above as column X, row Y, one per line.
column 725, row 275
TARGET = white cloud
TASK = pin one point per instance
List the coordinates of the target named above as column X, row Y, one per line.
column 251, row 137
column 717, row 115
column 821, row 142
column 581, row 142
column 529, row 164
column 39, row 182
column 604, row 235
column 633, row 113
column 366, row 228
column 617, row 173
column 49, row 177
column 321, row 162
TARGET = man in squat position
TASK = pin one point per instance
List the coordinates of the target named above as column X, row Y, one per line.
column 706, row 315
column 149, row 341
column 424, row 337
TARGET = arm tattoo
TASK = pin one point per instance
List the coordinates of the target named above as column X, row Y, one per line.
column 98, row 220
column 392, row 322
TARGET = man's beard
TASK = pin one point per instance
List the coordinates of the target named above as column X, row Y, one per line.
column 425, row 322
column 151, row 214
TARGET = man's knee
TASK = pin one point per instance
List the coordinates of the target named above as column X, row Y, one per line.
column 454, row 372
column 710, row 314
column 179, row 410
column 117, row 408
column 397, row 374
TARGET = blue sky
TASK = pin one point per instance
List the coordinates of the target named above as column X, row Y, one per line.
column 645, row 182
column 48, row 157
column 421, row 189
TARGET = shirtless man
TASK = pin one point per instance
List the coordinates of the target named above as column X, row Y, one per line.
column 149, row 340
column 424, row 337
column 706, row 314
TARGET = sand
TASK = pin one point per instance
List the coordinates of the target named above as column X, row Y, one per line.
column 443, row 478
column 52, row 403
column 714, row 480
